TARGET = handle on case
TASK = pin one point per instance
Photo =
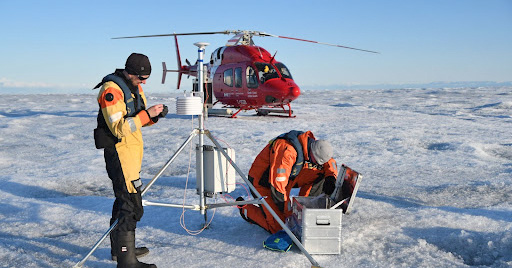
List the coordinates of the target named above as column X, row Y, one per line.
column 323, row 220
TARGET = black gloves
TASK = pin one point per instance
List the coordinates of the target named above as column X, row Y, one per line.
column 164, row 112
column 329, row 185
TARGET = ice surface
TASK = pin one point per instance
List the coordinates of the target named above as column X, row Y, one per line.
column 437, row 167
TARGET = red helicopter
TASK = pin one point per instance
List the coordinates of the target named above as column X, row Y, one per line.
column 242, row 75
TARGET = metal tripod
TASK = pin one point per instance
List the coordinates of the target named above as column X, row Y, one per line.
column 202, row 207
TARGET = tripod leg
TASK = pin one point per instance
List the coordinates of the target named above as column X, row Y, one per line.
column 206, row 223
column 276, row 217
column 112, row 227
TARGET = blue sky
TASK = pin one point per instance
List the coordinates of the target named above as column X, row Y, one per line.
column 66, row 46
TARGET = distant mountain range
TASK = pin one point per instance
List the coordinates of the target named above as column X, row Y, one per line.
column 418, row 85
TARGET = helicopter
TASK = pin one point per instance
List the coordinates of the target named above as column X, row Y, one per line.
column 243, row 76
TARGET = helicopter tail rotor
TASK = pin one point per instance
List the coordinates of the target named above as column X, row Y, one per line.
column 164, row 67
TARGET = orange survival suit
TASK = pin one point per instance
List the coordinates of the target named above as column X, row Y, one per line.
column 285, row 163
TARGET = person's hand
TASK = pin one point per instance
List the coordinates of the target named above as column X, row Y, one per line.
column 164, row 112
column 155, row 110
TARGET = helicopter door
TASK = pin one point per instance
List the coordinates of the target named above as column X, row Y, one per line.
column 250, row 77
column 252, row 85
column 238, row 77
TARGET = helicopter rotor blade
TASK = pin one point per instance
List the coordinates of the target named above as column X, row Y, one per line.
column 252, row 33
column 322, row 43
column 264, row 34
column 174, row 34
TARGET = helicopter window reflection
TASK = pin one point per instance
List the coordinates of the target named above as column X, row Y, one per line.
column 283, row 70
column 252, row 80
column 238, row 77
column 228, row 77
column 266, row 71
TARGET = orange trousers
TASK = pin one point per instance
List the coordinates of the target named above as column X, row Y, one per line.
column 260, row 214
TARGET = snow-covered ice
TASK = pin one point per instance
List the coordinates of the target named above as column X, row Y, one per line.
column 437, row 188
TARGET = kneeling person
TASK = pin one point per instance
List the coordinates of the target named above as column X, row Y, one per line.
column 292, row 160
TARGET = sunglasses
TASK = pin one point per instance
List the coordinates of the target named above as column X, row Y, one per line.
column 142, row 78
column 139, row 76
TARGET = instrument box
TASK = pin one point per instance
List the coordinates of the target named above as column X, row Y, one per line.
column 219, row 175
column 315, row 225
column 316, row 221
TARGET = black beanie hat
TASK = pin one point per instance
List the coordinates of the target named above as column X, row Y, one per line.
column 138, row 64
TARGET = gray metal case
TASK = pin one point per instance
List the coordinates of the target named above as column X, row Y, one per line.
column 316, row 221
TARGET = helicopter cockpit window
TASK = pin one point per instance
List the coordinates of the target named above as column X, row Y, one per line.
column 266, row 71
column 228, row 77
column 238, row 77
column 283, row 70
column 252, row 80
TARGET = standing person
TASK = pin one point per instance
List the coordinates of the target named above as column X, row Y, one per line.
column 121, row 116
column 292, row 160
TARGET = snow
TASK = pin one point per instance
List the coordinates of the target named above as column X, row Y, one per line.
column 436, row 192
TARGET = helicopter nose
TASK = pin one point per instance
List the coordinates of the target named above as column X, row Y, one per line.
column 294, row 92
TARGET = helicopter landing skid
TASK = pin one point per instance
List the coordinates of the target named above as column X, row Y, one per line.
column 267, row 111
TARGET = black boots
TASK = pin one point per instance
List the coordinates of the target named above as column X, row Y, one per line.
column 139, row 252
column 126, row 253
